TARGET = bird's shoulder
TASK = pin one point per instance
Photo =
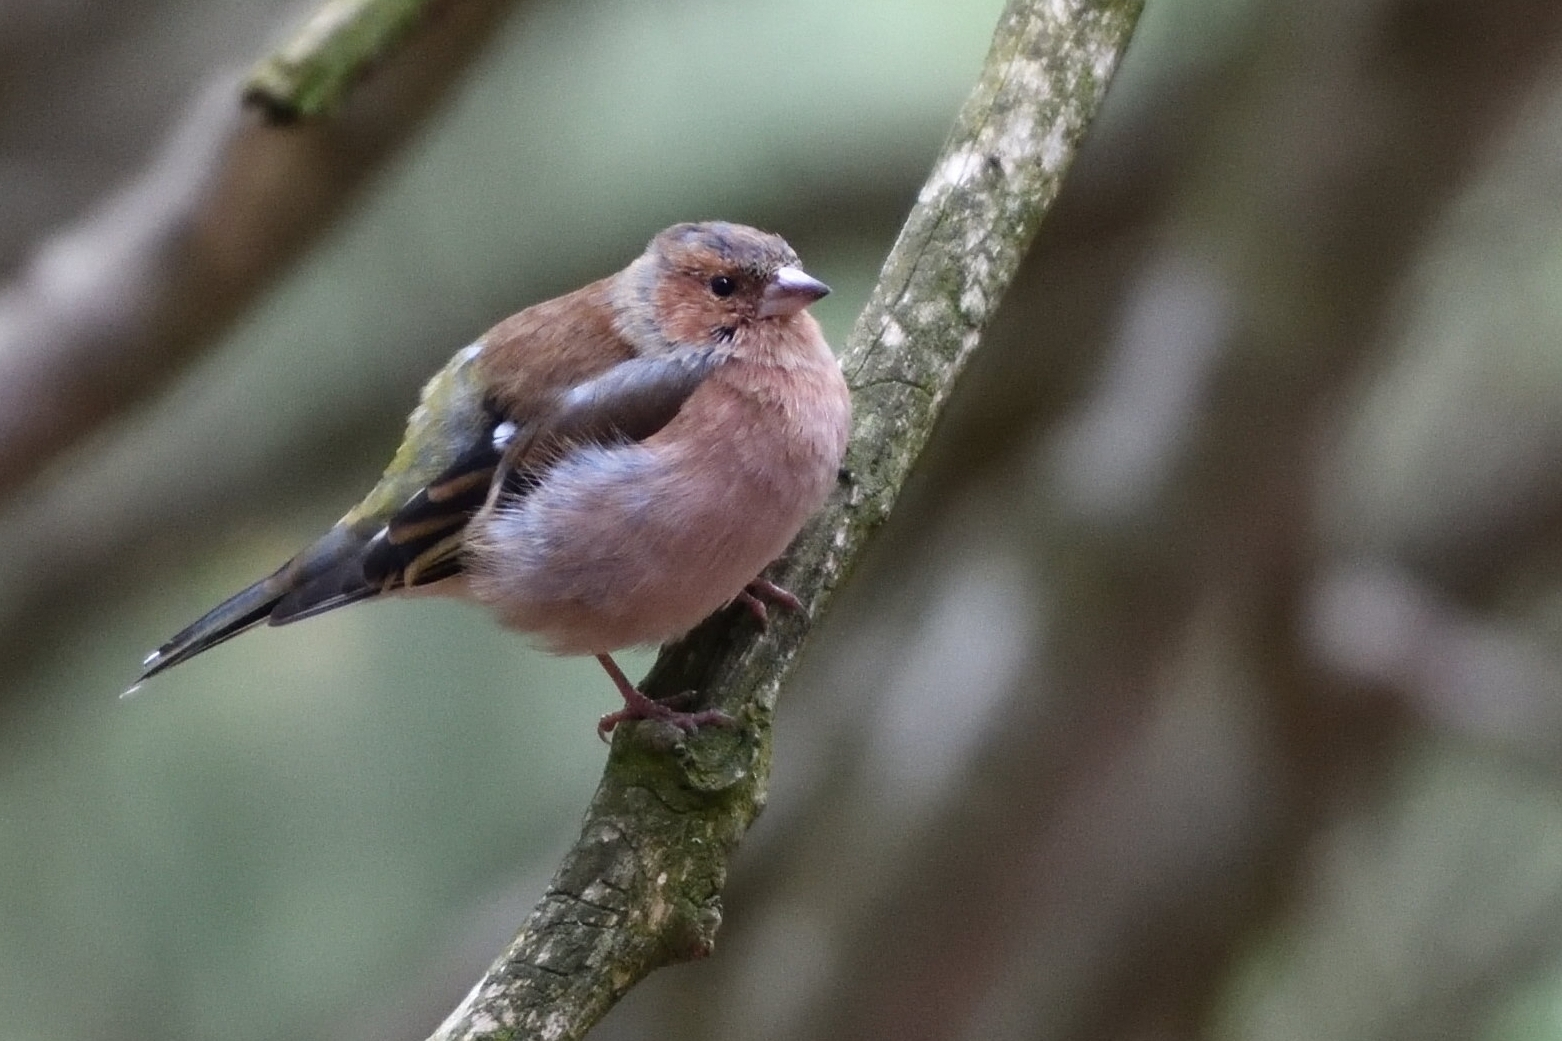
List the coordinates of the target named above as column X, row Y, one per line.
column 535, row 355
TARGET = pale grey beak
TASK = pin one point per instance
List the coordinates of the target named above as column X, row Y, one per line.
column 790, row 290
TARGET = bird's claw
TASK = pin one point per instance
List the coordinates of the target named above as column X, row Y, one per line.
column 758, row 591
column 756, row 607
column 638, row 706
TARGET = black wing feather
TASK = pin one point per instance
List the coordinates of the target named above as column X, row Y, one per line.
column 431, row 516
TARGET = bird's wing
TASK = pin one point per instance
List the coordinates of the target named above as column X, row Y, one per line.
column 627, row 403
column 408, row 530
column 452, row 418
column 421, row 541
column 438, row 477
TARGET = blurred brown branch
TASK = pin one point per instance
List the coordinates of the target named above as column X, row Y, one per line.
column 642, row 886
column 107, row 310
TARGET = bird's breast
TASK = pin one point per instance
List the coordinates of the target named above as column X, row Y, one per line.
column 623, row 545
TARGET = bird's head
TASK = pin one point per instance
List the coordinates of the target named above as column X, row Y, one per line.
column 712, row 284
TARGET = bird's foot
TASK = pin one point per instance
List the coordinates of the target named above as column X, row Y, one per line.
column 638, row 706
column 758, row 591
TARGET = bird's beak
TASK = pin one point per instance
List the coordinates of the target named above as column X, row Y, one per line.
column 790, row 290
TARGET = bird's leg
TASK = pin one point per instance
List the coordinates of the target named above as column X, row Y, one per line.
column 638, row 706
column 758, row 591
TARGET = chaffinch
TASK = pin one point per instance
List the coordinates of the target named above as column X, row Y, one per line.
column 604, row 469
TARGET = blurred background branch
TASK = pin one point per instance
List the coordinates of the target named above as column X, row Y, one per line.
column 107, row 311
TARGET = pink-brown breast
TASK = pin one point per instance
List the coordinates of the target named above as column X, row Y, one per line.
column 632, row 545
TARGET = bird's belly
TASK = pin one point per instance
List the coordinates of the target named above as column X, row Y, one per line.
column 624, row 546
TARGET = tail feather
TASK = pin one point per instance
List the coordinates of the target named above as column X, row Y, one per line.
column 240, row 612
column 290, row 610
column 327, row 575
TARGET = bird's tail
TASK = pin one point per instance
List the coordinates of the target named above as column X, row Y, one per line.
column 228, row 619
column 327, row 575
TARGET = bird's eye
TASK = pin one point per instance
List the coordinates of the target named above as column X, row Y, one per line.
column 721, row 285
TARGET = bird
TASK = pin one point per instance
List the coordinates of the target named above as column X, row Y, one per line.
column 602, row 470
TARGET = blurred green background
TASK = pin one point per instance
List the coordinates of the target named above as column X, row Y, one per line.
column 1208, row 682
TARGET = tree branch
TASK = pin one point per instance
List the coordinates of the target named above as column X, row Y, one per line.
column 641, row 888
column 106, row 310
column 310, row 74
